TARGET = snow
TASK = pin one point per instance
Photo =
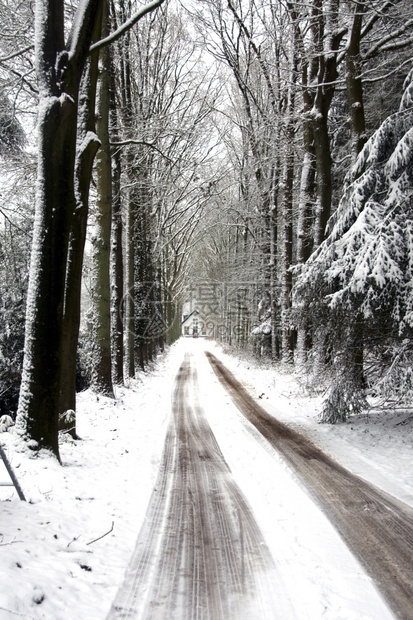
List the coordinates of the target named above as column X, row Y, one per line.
column 54, row 563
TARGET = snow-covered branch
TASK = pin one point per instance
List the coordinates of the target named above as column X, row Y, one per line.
column 141, row 143
column 114, row 36
column 18, row 53
column 391, row 41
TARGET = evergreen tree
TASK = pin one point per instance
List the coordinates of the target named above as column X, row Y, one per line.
column 360, row 279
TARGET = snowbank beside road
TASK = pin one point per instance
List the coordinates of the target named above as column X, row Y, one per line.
column 377, row 446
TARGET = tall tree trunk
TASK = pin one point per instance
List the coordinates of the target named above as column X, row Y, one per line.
column 287, row 341
column 127, row 111
column 275, row 345
column 354, row 89
column 354, row 85
column 306, row 203
column 117, row 271
column 129, row 301
column 145, row 308
column 87, row 146
column 59, row 72
column 102, row 371
column 309, row 70
column 308, row 170
column 328, row 41
column 324, row 187
column 306, row 198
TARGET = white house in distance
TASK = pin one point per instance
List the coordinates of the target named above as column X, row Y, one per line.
column 192, row 326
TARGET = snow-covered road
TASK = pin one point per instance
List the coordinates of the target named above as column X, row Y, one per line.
column 64, row 552
column 201, row 554
column 376, row 527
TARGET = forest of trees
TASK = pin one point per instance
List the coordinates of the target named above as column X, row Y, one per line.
column 250, row 160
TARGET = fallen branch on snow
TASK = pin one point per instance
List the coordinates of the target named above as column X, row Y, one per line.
column 103, row 535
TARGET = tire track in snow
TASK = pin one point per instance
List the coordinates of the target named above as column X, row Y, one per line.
column 200, row 554
column 376, row 527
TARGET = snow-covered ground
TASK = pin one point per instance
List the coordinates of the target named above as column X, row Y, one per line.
column 63, row 553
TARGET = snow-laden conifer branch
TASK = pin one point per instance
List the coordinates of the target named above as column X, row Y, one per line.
column 366, row 262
